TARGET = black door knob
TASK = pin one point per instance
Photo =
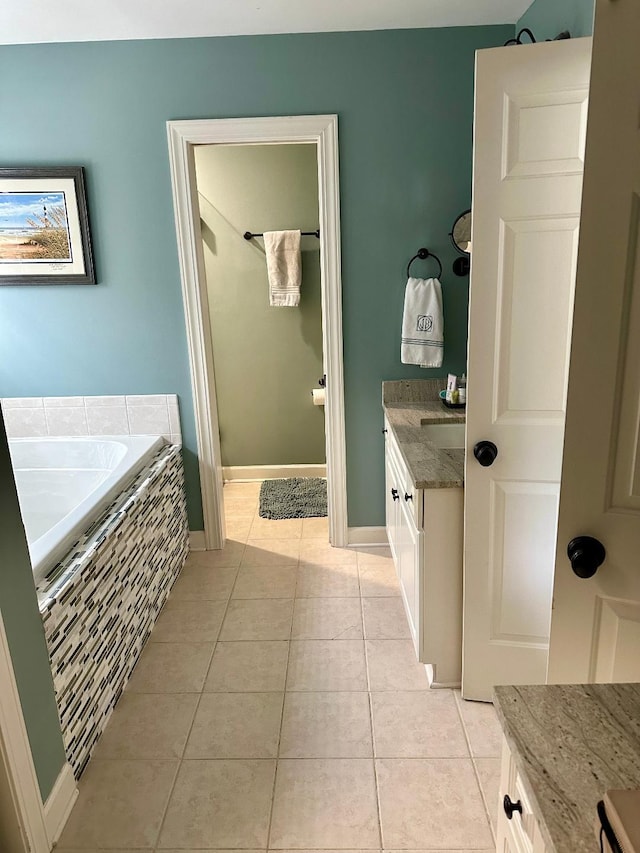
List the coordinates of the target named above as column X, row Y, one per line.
column 510, row 807
column 586, row 554
column 485, row 452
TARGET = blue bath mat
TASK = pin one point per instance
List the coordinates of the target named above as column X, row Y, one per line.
column 294, row 497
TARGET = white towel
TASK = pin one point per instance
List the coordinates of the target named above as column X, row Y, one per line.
column 422, row 323
column 284, row 267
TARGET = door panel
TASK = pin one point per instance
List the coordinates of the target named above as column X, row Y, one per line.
column 522, row 546
column 529, row 142
column 534, row 317
column 532, row 145
column 595, row 626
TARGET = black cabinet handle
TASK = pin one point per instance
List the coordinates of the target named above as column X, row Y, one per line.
column 586, row 555
column 384, row 430
column 408, row 497
column 485, row 452
column 395, row 495
column 510, row 807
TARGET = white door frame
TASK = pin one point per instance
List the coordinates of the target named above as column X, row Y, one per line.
column 15, row 755
column 183, row 136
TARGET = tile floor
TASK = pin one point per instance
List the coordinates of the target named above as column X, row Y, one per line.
column 278, row 706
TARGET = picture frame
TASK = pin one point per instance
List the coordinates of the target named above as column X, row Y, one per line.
column 44, row 227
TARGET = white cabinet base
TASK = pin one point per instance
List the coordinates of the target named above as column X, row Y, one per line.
column 425, row 530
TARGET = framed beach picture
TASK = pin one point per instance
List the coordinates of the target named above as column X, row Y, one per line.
column 44, row 227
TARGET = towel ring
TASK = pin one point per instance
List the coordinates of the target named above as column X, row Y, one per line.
column 423, row 254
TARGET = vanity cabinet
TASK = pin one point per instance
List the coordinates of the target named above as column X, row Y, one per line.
column 520, row 833
column 424, row 528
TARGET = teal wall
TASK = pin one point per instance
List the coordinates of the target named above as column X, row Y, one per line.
column 266, row 359
column 405, row 103
column 25, row 634
column 547, row 18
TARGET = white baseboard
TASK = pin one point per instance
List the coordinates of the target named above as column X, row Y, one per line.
column 197, row 540
column 59, row 803
column 437, row 685
column 367, row 536
column 270, row 472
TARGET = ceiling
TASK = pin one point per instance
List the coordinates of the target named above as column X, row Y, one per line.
column 32, row 21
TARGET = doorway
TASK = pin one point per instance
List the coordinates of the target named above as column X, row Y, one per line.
column 321, row 132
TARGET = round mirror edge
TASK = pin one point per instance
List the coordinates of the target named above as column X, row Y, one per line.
column 453, row 228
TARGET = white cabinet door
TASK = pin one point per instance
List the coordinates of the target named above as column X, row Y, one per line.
column 391, row 500
column 410, row 558
column 530, row 119
column 595, row 629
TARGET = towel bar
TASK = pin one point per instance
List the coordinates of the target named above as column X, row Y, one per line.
column 248, row 235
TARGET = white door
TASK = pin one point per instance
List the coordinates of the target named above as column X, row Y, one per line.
column 529, row 130
column 595, row 630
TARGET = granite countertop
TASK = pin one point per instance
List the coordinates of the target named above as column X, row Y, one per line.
column 571, row 743
column 408, row 405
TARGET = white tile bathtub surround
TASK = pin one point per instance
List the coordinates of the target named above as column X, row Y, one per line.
column 66, row 420
column 149, row 419
column 25, row 422
column 23, row 403
column 138, row 414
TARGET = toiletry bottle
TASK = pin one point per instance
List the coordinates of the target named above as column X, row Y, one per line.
column 462, row 390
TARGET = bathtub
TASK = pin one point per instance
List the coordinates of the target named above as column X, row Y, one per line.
column 65, row 483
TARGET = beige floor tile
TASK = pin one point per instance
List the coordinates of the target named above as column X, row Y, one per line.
column 148, row 725
column 203, row 583
column 236, row 725
column 220, row 804
column 248, row 667
column 267, row 528
column 189, row 621
column 266, row 582
column 393, row 666
column 227, row 557
column 325, row 803
column 326, row 725
column 483, row 729
column 315, row 528
column 322, row 554
column 488, row 770
column 326, row 665
column 240, row 505
column 134, row 791
column 379, row 580
column 171, row 668
column 385, row 619
column 120, row 850
column 236, row 489
column 327, row 581
column 468, row 850
column 271, row 552
column 435, row 799
column 238, row 527
column 374, row 556
column 258, row 619
column 327, row 619
column 417, row 724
